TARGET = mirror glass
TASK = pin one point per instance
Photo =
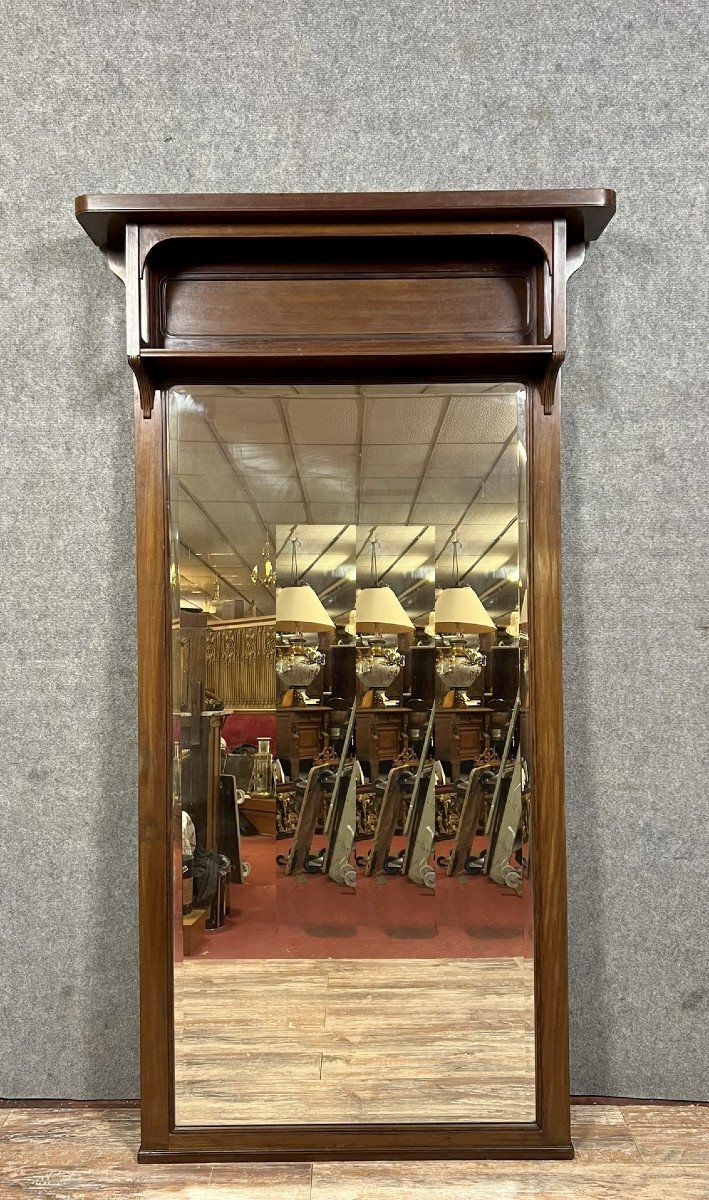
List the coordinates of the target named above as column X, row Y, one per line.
column 353, row 936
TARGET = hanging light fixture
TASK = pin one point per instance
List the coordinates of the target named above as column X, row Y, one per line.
column 215, row 600
column 299, row 611
column 459, row 611
column 378, row 611
column 265, row 572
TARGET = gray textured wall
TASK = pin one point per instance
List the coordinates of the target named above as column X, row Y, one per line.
column 249, row 95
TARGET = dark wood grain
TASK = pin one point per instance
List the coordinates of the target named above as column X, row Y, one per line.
column 172, row 249
column 154, row 780
column 350, row 362
column 352, row 307
column 144, row 388
column 588, row 210
column 344, row 296
column 548, row 854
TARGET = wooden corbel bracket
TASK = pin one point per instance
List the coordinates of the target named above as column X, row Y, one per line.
column 144, row 388
column 559, row 271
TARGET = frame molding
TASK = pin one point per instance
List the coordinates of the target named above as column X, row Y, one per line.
column 314, row 246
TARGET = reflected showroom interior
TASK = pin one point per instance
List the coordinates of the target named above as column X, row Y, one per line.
column 352, row 800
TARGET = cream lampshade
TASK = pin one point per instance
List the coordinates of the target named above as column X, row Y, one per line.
column 460, row 610
column 298, row 610
column 379, row 611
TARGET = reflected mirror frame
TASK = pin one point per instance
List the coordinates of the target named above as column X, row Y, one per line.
column 460, row 333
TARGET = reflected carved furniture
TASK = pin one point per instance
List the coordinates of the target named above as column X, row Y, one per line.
column 287, row 809
column 240, row 662
column 299, row 735
column 380, row 737
column 460, row 736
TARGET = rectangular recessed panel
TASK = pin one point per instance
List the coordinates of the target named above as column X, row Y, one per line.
column 480, row 306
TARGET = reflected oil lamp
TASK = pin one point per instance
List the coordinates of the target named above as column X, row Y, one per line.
column 378, row 612
column 299, row 611
column 458, row 612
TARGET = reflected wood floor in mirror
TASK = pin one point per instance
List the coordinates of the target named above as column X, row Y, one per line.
column 353, row 1041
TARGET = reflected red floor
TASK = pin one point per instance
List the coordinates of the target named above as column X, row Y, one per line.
column 308, row 916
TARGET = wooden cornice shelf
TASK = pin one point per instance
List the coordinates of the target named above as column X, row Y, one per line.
column 586, row 211
column 358, row 286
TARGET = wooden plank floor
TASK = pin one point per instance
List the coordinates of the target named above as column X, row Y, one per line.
column 354, row 1040
column 622, row 1153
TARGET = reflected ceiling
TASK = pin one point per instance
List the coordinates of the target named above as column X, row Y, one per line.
column 253, row 459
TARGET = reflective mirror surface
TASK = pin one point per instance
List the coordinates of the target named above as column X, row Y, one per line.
column 351, row 794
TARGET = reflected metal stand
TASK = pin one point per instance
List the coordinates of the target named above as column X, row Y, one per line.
column 460, row 860
column 333, row 859
column 508, row 838
column 493, row 821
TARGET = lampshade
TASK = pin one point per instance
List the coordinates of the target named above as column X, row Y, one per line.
column 460, row 610
column 379, row 611
column 298, row 610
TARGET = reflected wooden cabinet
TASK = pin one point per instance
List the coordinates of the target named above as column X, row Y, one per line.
column 504, row 673
column 300, row 735
column 380, row 737
column 354, row 343
column 460, row 736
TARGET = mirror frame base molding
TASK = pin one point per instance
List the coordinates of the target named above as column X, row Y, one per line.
column 413, row 287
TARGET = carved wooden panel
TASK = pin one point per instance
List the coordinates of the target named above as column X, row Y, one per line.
column 241, row 665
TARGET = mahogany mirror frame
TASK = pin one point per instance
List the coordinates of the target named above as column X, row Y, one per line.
column 478, row 253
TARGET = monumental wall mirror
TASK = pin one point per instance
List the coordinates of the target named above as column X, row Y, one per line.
column 352, row 871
